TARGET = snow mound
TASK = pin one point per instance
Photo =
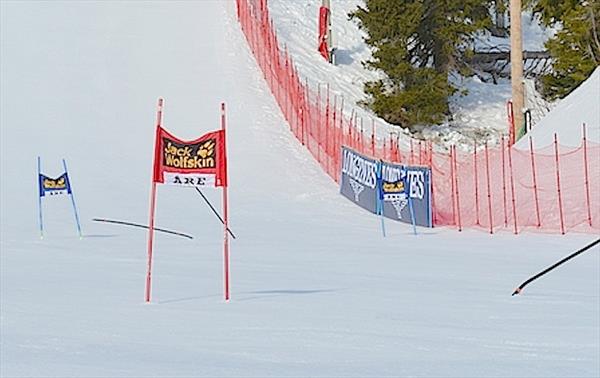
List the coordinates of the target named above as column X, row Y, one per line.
column 566, row 119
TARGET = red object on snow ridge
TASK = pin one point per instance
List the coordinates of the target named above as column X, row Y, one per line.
column 323, row 22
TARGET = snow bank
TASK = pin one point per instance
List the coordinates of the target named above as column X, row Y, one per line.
column 566, row 119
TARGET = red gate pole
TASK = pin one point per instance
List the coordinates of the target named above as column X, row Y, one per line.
column 504, row 182
column 410, row 161
column 153, row 200
column 476, row 178
column 535, row 191
column 457, row 189
column 512, row 189
column 560, row 209
column 489, row 192
column 225, row 209
column 587, row 181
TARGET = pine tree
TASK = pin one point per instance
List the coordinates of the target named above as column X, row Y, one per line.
column 417, row 44
column 575, row 49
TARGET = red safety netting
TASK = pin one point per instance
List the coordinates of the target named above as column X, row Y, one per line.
column 555, row 189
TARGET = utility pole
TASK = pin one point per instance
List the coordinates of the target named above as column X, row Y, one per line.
column 516, row 66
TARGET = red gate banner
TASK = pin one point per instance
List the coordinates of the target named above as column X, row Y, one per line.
column 199, row 162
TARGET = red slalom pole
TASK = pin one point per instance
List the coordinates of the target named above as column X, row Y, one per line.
column 153, row 201
column 560, row 207
column 225, row 209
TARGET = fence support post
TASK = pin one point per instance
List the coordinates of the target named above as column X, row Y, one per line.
column 504, row 183
column 431, row 184
column 587, row 180
column 476, row 178
column 560, row 208
column 489, row 193
column 535, row 192
column 512, row 189
column 453, row 148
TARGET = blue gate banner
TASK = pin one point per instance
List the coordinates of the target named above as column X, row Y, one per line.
column 59, row 185
column 397, row 185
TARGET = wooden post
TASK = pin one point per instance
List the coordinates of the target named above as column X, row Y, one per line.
column 516, row 65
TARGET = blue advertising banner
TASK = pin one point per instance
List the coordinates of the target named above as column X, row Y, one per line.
column 400, row 187
column 359, row 179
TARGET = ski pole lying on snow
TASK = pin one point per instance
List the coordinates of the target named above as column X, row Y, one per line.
column 142, row 226
column 214, row 211
column 520, row 288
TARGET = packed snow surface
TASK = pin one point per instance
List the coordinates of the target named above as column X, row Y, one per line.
column 316, row 289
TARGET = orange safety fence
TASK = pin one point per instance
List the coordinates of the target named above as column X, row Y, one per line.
column 554, row 189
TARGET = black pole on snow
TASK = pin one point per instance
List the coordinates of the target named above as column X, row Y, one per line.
column 142, row 226
column 214, row 210
column 520, row 288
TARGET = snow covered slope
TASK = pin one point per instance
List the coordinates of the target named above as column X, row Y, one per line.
column 316, row 290
column 582, row 106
